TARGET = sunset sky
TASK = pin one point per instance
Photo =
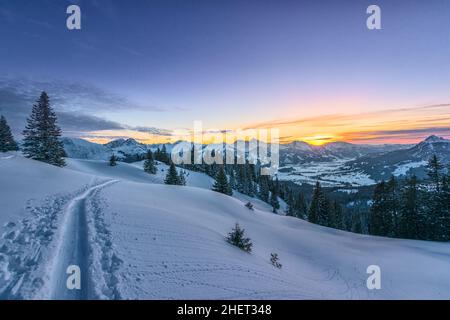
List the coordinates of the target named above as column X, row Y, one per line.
column 143, row 68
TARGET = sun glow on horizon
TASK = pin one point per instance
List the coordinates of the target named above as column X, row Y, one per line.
column 402, row 125
column 319, row 140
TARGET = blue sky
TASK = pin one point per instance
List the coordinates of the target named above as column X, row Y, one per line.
column 164, row 64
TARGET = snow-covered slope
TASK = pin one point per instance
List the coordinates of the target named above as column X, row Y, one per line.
column 180, row 244
column 27, row 183
column 146, row 240
column 82, row 149
column 122, row 148
column 135, row 172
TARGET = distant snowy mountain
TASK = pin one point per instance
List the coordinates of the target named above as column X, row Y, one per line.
column 299, row 152
column 334, row 164
column 432, row 145
column 82, row 149
column 124, row 149
column 296, row 152
column 344, row 164
column 402, row 162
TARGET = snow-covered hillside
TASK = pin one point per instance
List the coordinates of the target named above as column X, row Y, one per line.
column 133, row 239
column 135, row 172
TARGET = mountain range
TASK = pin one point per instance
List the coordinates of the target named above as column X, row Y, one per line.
column 335, row 163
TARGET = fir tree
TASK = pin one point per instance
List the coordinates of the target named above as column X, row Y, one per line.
column 42, row 134
column 242, row 184
column 113, row 160
column 290, row 205
column 436, row 211
column 392, row 200
column 250, row 178
column 434, row 169
column 249, row 206
column 409, row 210
column 274, row 201
column 237, row 238
column 378, row 224
column 301, row 210
column 157, row 154
column 149, row 164
column 264, row 188
column 182, row 178
column 319, row 208
column 221, row 184
column 274, row 194
column 164, row 155
column 7, row 142
column 232, row 179
column 172, row 177
column 274, row 260
column 336, row 218
column 313, row 214
column 445, row 201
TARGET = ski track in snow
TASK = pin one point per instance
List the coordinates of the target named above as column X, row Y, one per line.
column 26, row 247
column 7, row 157
column 105, row 262
column 74, row 249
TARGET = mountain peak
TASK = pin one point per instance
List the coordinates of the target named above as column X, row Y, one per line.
column 434, row 138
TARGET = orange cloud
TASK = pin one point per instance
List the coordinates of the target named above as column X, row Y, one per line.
column 404, row 125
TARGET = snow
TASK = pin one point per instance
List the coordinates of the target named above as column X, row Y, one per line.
column 149, row 240
column 403, row 169
column 24, row 182
column 329, row 174
column 134, row 172
column 347, row 191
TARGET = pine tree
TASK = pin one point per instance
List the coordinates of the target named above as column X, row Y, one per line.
column 274, row 260
column 380, row 223
column 301, row 210
column 42, row 134
column 7, row 142
column 172, row 177
column 436, row 214
column 232, row 179
column 313, row 214
column 319, row 208
column 274, row 188
column 264, row 188
column 182, row 178
column 336, row 216
column 221, row 184
column 250, row 177
column 409, row 210
column 244, row 183
column 445, row 202
column 149, row 164
column 157, row 154
column 392, row 200
column 290, row 205
column 113, row 160
column 164, row 155
column 434, row 169
column 274, row 201
column 237, row 238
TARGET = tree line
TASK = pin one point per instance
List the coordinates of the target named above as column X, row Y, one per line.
column 411, row 208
